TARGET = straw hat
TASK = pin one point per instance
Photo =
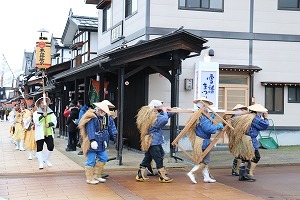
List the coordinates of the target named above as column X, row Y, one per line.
column 239, row 106
column 103, row 106
column 39, row 100
column 257, row 108
column 108, row 103
column 203, row 99
column 155, row 103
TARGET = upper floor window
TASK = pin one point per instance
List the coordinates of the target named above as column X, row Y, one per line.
column 274, row 99
column 294, row 95
column 106, row 23
column 130, row 7
column 289, row 4
column 210, row 5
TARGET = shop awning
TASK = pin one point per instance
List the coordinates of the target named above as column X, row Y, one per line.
column 280, row 83
column 239, row 68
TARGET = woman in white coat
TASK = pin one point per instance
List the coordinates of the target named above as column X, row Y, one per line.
column 44, row 120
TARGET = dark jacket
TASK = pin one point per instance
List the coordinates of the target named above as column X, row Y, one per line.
column 72, row 127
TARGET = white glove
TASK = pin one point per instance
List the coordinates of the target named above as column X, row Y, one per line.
column 94, row 145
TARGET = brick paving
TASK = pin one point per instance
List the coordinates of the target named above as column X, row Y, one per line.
column 21, row 179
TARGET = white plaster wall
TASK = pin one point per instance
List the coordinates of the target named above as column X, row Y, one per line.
column 94, row 42
column 131, row 24
column 234, row 18
column 280, row 63
column 268, row 19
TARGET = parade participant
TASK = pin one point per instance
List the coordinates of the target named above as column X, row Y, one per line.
column 11, row 119
column 260, row 122
column 200, row 135
column 44, row 120
column 237, row 160
column 18, row 136
column 95, row 133
column 150, row 121
column 82, row 110
column 72, row 126
column 30, row 144
column 110, row 118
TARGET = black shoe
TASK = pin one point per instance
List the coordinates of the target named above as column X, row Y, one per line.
column 104, row 175
column 80, row 153
column 69, row 149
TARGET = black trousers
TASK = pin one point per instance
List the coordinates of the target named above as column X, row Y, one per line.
column 156, row 153
column 72, row 140
column 48, row 140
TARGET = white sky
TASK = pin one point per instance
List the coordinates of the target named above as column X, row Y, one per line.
column 20, row 21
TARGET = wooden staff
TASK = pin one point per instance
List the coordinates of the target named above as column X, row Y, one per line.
column 179, row 110
column 44, row 100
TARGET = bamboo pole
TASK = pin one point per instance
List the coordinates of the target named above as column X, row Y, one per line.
column 44, row 100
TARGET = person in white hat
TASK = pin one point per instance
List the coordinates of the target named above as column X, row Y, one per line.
column 44, row 120
column 237, row 160
column 150, row 121
column 203, row 129
column 95, row 133
column 260, row 122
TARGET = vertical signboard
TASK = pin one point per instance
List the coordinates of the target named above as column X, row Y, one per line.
column 207, row 82
column 43, row 54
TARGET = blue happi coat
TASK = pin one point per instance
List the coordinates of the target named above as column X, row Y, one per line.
column 204, row 130
column 156, row 129
column 258, row 124
column 100, row 129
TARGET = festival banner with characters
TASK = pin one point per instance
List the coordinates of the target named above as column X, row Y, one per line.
column 207, row 82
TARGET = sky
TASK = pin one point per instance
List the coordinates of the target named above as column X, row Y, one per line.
column 21, row 21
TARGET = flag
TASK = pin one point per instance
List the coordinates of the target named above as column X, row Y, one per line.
column 94, row 94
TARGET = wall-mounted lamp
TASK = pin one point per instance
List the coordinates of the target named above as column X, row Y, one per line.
column 188, row 84
column 211, row 52
column 97, row 77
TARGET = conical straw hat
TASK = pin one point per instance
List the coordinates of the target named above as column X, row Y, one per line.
column 103, row 106
column 108, row 103
column 203, row 99
column 239, row 106
column 257, row 108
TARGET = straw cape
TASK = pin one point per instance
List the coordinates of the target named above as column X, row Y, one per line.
column 145, row 118
column 239, row 143
column 89, row 114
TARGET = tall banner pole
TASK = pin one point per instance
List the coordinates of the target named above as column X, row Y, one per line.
column 43, row 61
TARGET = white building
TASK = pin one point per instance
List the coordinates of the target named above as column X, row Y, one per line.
column 256, row 44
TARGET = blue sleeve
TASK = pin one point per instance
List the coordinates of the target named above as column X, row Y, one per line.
column 162, row 120
column 207, row 125
column 90, row 129
column 260, row 124
column 112, row 127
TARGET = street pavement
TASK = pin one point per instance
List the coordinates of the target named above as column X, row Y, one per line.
column 21, row 179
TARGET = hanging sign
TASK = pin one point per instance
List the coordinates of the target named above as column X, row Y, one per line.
column 43, row 54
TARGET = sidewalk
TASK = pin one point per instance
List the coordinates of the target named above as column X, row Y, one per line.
column 21, row 179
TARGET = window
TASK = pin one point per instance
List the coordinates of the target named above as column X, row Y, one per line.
column 294, row 95
column 274, row 99
column 130, row 7
column 106, row 23
column 289, row 5
column 210, row 5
